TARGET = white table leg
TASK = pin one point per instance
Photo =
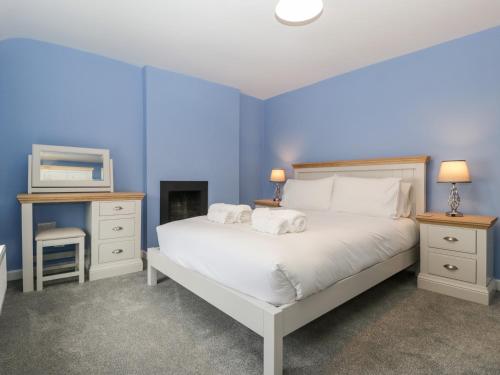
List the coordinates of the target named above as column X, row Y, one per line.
column 81, row 259
column 39, row 265
column 27, row 231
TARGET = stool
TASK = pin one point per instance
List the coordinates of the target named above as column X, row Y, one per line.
column 60, row 237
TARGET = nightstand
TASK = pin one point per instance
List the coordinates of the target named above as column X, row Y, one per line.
column 456, row 256
column 259, row 203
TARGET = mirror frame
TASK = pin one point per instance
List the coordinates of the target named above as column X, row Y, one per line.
column 36, row 182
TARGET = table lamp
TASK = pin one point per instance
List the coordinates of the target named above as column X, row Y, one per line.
column 278, row 177
column 454, row 171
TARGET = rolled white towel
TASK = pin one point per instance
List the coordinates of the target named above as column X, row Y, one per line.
column 264, row 221
column 242, row 213
column 220, row 216
column 297, row 221
column 229, row 213
column 220, row 213
column 276, row 221
column 218, row 206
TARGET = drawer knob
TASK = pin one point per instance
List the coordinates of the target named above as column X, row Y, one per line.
column 117, row 251
column 450, row 239
column 450, row 267
column 118, row 208
column 117, row 229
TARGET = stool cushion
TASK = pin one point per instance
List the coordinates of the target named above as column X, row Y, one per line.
column 59, row 233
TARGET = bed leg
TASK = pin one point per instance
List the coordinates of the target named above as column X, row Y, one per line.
column 273, row 344
column 152, row 275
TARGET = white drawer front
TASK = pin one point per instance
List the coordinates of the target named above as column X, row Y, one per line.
column 452, row 238
column 117, row 208
column 116, row 251
column 452, row 267
column 116, row 228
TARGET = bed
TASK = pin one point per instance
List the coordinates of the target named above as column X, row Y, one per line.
column 268, row 284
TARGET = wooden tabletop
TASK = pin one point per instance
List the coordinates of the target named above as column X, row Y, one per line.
column 78, row 197
column 469, row 221
column 266, row 202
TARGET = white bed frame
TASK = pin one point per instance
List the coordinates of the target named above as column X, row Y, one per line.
column 273, row 323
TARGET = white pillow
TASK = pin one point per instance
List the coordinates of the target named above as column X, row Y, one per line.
column 308, row 194
column 366, row 196
column 404, row 202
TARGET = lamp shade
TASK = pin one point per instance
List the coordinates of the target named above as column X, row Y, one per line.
column 454, row 171
column 277, row 175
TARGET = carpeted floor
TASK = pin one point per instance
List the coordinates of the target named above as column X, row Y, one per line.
column 122, row 326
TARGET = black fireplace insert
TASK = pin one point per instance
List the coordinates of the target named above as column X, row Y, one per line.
column 182, row 200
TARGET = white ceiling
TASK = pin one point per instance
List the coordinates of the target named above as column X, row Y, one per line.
column 239, row 43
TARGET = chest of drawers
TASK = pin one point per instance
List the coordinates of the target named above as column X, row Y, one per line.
column 456, row 256
column 115, row 235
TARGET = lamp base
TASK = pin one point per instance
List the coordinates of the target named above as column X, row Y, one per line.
column 277, row 192
column 454, row 202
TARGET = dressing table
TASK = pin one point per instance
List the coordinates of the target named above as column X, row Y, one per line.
column 113, row 219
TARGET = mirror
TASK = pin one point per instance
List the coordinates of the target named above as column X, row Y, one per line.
column 70, row 167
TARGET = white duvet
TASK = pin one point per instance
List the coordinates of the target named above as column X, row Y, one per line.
column 281, row 269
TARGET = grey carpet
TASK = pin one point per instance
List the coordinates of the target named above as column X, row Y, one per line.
column 121, row 326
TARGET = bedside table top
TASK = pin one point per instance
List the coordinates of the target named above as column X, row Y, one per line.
column 266, row 202
column 469, row 221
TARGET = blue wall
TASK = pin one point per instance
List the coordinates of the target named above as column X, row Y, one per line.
column 55, row 95
column 192, row 133
column 251, row 141
column 443, row 101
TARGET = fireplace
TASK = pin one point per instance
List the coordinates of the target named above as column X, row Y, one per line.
column 182, row 199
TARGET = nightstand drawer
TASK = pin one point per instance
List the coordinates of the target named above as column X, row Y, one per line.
column 117, row 208
column 116, row 228
column 452, row 267
column 116, row 251
column 452, row 238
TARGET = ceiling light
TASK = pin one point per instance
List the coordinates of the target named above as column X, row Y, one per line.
column 298, row 12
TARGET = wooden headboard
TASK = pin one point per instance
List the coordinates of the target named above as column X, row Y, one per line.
column 411, row 169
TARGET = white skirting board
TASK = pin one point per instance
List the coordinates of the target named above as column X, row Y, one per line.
column 3, row 275
column 14, row 275
column 18, row 274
